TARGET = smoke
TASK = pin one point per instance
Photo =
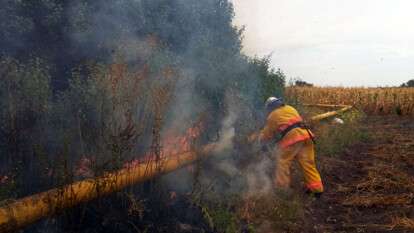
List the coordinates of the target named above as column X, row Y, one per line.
column 227, row 131
column 258, row 177
column 186, row 106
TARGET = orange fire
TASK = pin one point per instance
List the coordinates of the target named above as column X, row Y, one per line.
column 172, row 145
column 4, row 179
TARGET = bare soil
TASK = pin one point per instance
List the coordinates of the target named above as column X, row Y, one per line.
column 370, row 187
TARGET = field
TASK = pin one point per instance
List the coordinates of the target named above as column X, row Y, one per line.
column 140, row 117
column 370, row 186
column 367, row 165
column 379, row 101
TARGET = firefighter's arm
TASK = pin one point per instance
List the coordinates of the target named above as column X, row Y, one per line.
column 253, row 137
column 269, row 131
column 266, row 134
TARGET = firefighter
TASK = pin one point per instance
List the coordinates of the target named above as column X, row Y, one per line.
column 295, row 142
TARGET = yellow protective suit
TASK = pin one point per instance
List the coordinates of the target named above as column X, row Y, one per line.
column 296, row 144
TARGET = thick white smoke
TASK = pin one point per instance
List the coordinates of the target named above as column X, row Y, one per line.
column 258, row 174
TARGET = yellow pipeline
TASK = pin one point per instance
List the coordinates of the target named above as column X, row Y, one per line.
column 26, row 211
column 323, row 116
column 327, row 105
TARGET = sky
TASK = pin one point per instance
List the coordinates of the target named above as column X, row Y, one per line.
column 332, row 42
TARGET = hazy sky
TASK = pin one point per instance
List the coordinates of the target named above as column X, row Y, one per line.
column 333, row 42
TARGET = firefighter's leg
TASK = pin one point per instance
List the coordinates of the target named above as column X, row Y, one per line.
column 306, row 158
column 284, row 159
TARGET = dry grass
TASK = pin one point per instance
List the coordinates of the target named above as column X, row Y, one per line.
column 371, row 100
column 378, row 200
column 370, row 188
column 383, row 186
column 273, row 212
column 405, row 223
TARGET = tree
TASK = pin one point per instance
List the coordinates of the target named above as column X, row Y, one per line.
column 301, row 83
column 410, row 83
column 271, row 81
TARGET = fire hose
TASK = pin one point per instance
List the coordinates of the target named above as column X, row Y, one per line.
column 28, row 210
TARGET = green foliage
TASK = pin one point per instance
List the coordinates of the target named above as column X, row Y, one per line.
column 224, row 220
column 333, row 139
column 220, row 215
column 218, row 203
column 24, row 87
column 301, row 83
column 199, row 34
column 24, row 96
column 281, row 211
column 410, row 83
column 271, row 82
column 24, row 102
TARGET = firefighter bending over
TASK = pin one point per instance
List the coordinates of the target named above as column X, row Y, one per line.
column 295, row 143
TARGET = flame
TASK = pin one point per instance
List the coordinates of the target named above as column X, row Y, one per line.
column 172, row 145
column 4, row 179
column 84, row 168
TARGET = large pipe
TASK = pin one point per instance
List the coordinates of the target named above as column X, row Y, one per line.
column 330, row 114
column 326, row 105
column 28, row 210
column 23, row 212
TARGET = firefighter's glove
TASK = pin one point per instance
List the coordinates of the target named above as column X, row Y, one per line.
column 253, row 138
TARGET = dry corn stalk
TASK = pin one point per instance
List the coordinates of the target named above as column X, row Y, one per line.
column 371, row 100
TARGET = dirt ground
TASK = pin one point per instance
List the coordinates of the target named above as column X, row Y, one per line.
column 370, row 187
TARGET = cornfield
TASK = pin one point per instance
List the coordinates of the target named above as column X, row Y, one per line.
column 377, row 101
